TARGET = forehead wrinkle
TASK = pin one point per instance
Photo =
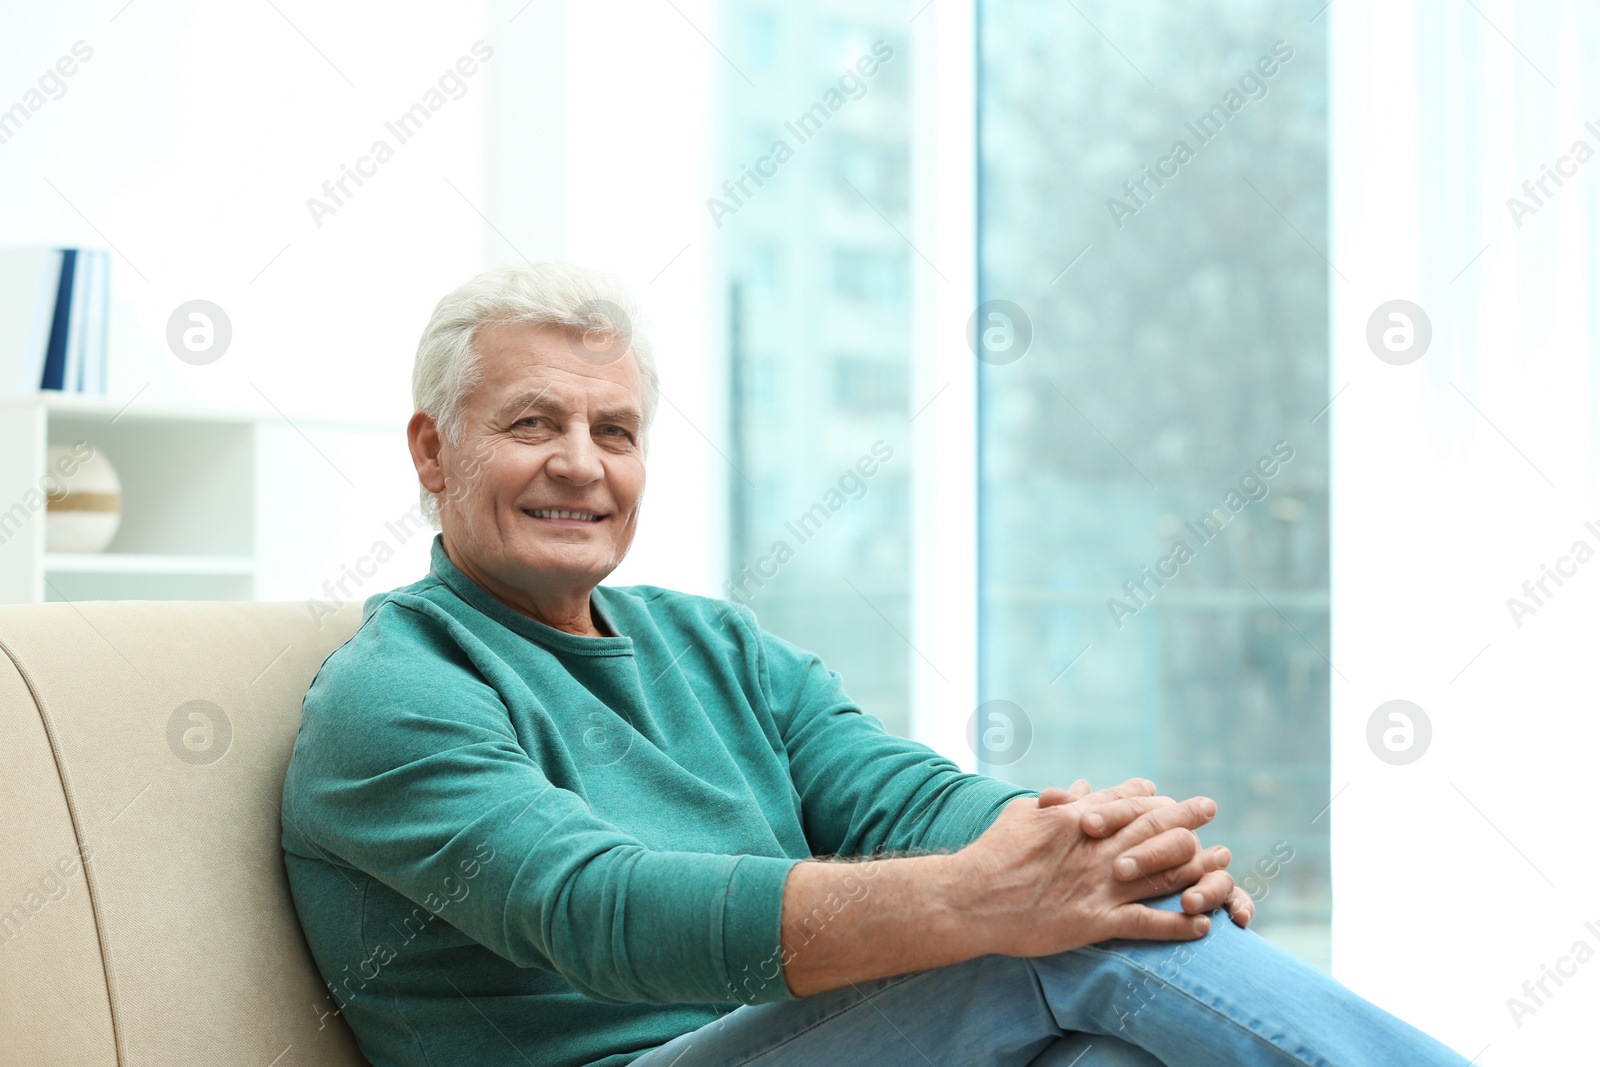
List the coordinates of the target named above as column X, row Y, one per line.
column 510, row 354
column 527, row 399
column 530, row 401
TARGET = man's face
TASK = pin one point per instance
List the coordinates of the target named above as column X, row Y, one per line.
column 547, row 430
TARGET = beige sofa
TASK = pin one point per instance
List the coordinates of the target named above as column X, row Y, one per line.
column 145, row 916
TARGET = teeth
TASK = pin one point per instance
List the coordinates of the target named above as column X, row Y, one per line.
column 558, row 513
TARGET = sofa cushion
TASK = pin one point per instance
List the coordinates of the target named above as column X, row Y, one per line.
column 145, row 915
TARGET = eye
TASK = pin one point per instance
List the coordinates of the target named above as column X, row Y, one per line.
column 621, row 430
column 529, row 418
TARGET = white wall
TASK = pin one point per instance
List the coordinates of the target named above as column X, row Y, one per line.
column 944, row 448
column 194, row 136
column 191, row 142
column 1459, row 876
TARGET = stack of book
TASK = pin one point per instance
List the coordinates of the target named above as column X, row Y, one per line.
column 54, row 307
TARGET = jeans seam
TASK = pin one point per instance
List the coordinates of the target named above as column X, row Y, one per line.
column 830, row 1017
column 1317, row 1059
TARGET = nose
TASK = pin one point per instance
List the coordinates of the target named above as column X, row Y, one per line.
column 576, row 458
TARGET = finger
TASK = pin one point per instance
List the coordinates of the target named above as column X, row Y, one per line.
column 1171, row 848
column 1133, row 787
column 1108, row 818
column 1175, row 879
column 1144, row 923
column 1241, row 907
column 1053, row 795
column 1190, row 814
column 1209, row 893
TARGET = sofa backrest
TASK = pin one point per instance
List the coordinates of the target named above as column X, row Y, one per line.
column 145, row 914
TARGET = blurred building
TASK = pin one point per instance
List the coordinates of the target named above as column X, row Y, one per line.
column 819, row 294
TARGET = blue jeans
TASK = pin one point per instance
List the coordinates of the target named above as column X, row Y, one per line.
column 1230, row 998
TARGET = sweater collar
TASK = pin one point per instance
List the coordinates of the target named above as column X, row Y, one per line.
column 602, row 603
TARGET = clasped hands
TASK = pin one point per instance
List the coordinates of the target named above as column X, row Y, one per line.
column 1162, row 850
column 1072, row 867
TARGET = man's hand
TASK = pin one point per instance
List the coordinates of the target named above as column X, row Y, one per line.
column 1042, row 885
column 1109, row 810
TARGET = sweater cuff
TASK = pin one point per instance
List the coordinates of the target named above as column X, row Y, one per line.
column 752, row 929
column 970, row 811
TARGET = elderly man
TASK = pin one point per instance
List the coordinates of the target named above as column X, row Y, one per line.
column 533, row 819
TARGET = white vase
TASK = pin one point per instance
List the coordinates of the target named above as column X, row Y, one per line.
column 85, row 500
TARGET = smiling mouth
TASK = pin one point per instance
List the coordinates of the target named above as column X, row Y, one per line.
column 563, row 515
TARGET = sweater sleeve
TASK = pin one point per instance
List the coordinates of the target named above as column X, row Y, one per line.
column 862, row 789
column 407, row 768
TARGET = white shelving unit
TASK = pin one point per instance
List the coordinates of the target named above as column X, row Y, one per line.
column 216, row 505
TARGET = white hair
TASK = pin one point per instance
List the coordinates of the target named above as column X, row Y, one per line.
column 561, row 295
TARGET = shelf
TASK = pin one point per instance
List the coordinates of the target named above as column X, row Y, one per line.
column 217, row 504
column 146, row 563
column 121, row 410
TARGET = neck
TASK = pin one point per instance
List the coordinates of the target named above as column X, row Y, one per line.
column 565, row 607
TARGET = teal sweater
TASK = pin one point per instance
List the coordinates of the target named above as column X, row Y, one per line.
column 511, row 844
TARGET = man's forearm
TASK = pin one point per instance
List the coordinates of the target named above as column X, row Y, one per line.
column 847, row 922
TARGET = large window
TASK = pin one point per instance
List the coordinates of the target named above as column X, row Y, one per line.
column 1152, row 327
column 1152, row 367
column 816, row 153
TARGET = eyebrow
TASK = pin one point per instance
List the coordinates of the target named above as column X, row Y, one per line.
column 537, row 402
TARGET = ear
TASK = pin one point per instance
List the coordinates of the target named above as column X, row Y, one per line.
column 422, row 435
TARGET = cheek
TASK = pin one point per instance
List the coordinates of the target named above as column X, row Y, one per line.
column 628, row 483
column 507, row 470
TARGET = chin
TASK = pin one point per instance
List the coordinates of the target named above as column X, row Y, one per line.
column 555, row 563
